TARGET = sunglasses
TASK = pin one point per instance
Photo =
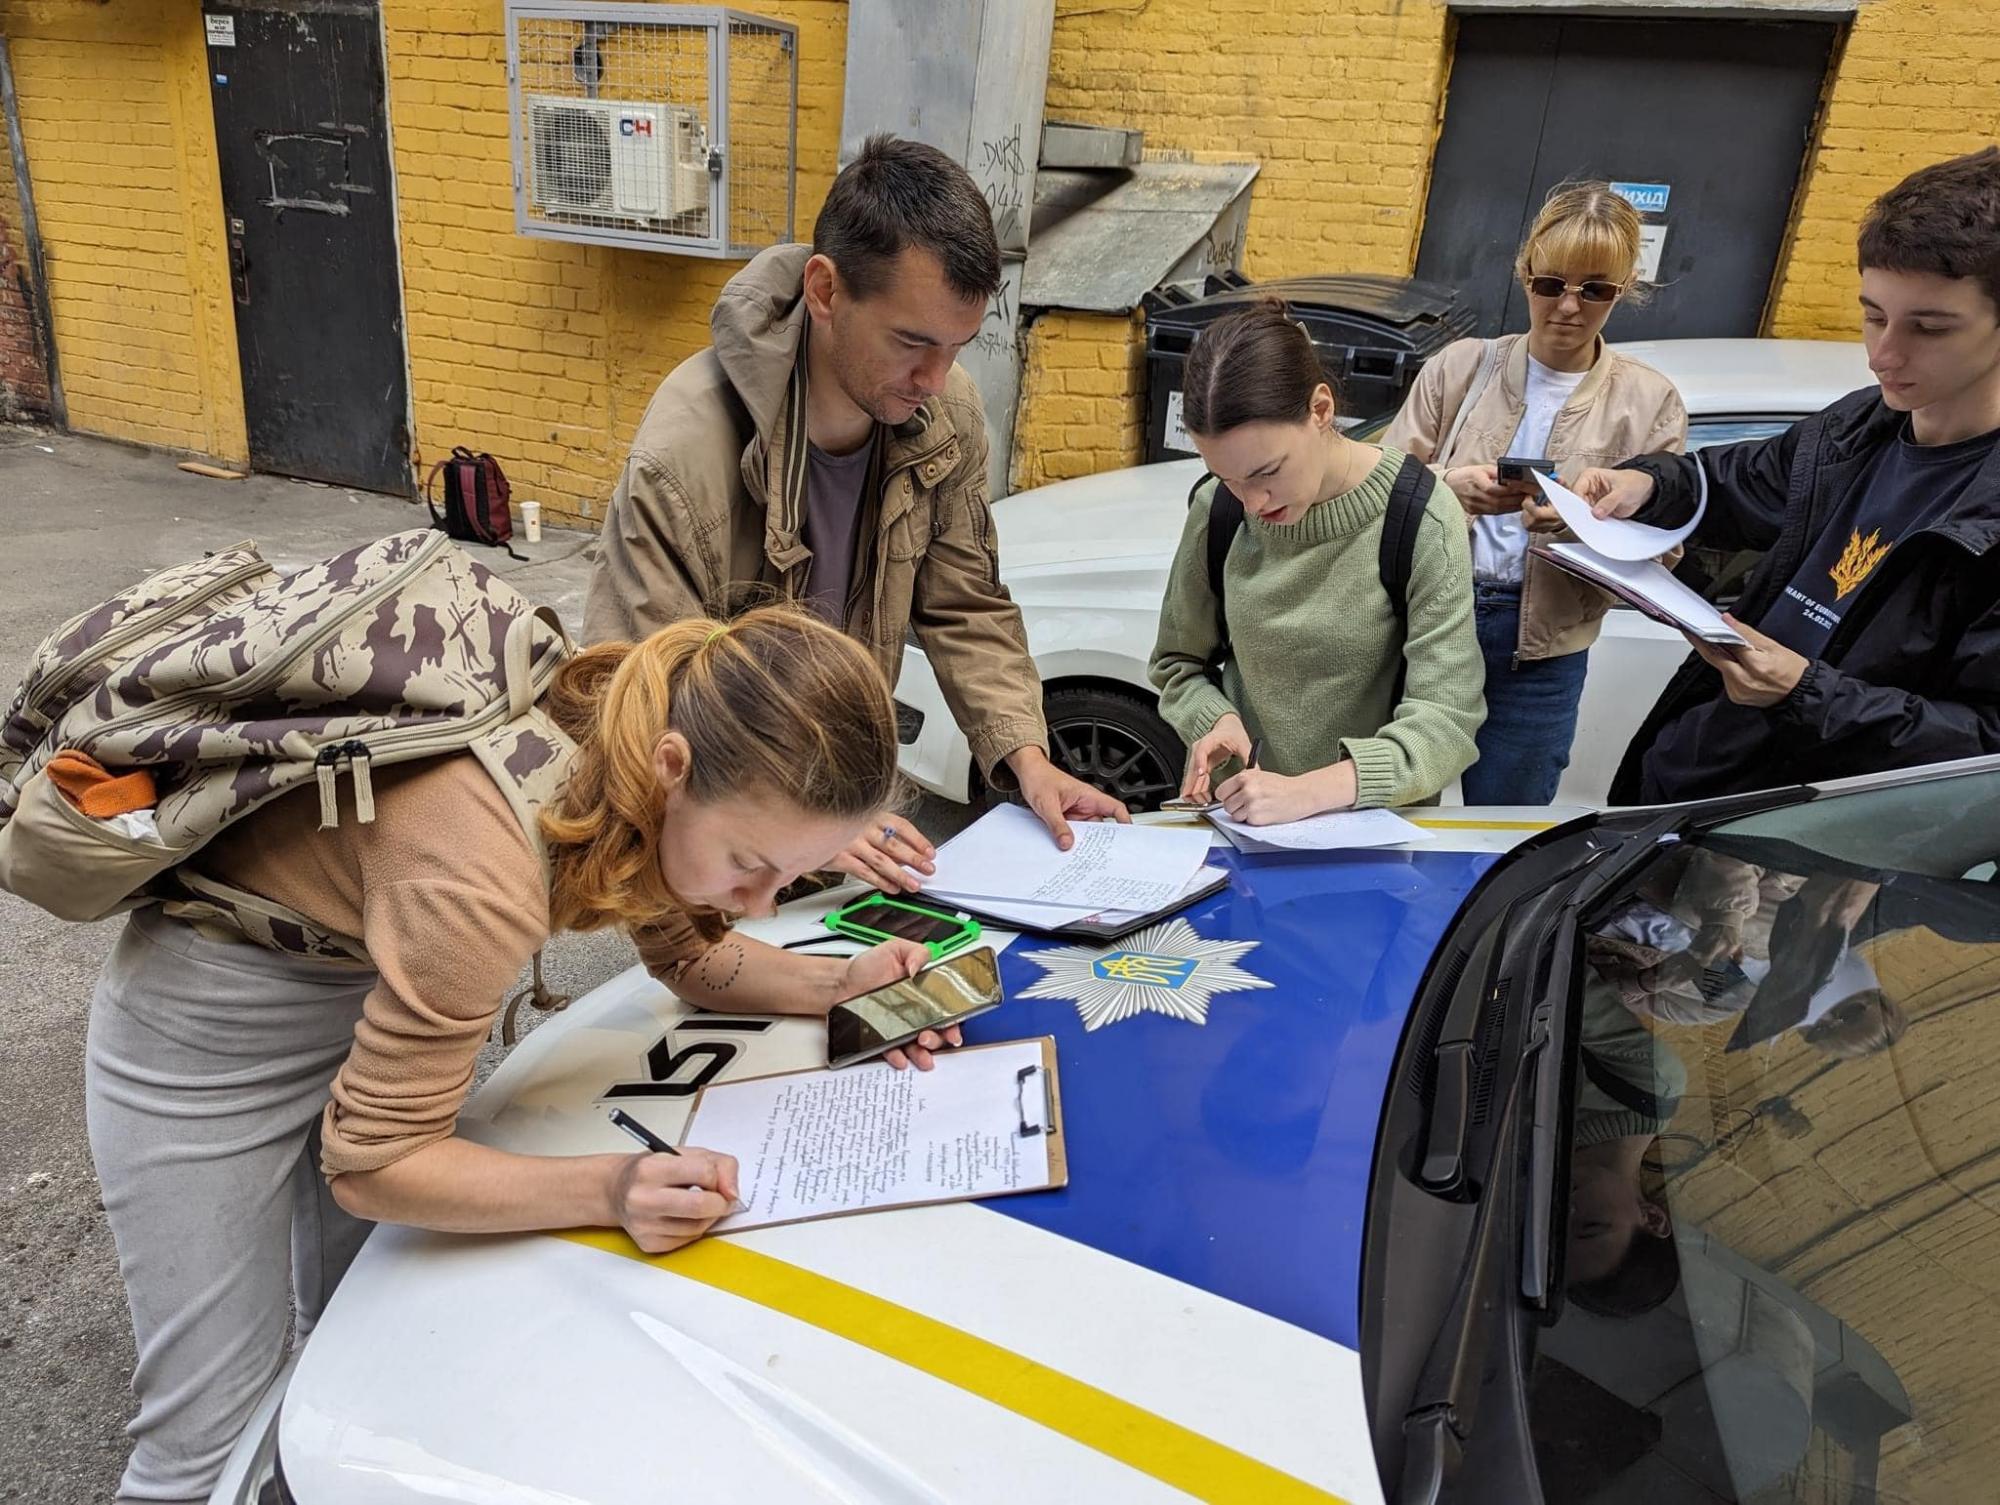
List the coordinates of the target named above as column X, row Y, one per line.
column 1590, row 292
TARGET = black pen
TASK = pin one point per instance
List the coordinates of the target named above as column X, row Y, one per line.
column 1256, row 752
column 659, row 1146
column 641, row 1133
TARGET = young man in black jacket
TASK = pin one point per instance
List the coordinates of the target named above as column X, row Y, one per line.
column 1873, row 621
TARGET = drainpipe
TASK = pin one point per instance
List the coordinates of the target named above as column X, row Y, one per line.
column 31, row 233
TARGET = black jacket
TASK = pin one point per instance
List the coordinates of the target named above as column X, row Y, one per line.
column 1912, row 673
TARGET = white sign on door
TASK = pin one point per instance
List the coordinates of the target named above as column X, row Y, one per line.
column 1176, row 435
column 1652, row 245
column 221, row 30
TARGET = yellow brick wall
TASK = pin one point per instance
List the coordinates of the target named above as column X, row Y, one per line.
column 1083, row 398
column 1916, row 85
column 545, row 353
column 1339, row 101
column 1341, row 104
column 541, row 351
column 121, row 145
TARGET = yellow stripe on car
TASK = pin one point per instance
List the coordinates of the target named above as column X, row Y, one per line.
column 1433, row 823
column 1138, row 1438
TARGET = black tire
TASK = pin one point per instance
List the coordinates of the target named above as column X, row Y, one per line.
column 1116, row 742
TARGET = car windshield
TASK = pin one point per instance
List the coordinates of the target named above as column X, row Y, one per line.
column 1783, row 1232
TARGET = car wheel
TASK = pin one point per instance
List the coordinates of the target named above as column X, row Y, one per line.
column 1114, row 742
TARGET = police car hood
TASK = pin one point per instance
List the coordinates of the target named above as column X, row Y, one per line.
column 1179, row 1320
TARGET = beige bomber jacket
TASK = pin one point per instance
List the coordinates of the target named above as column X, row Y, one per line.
column 1621, row 409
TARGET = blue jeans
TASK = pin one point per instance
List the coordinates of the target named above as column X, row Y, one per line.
column 1530, row 709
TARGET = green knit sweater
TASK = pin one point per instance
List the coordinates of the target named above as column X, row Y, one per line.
column 1315, row 644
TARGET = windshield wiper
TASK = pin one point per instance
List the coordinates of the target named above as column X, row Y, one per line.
column 1546, row 1044
column 1472, row 1008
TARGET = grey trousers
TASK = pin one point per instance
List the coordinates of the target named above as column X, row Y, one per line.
column 207, row 1069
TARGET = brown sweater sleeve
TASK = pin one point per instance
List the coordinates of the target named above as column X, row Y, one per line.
column 452, row 907
column 450, row 900
column 448, row 896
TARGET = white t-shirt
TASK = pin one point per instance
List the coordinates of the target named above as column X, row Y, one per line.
column 1500, row 544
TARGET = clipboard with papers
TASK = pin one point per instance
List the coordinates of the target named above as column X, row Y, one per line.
column 985, row 1121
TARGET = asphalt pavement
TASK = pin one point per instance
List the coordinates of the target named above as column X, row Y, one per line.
column 79, row 519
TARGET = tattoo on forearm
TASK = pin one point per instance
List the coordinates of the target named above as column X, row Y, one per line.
column 720, row 966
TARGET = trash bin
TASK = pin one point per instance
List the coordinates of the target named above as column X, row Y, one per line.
column 1373, row 335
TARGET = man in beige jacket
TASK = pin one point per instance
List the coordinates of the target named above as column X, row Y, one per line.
column 826, row 448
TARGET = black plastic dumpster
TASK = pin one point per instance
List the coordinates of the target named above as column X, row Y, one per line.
column 1373, row 335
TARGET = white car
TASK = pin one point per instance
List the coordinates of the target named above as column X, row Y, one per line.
column 1087, row 560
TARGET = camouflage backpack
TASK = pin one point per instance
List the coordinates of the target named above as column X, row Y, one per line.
column 232, row 684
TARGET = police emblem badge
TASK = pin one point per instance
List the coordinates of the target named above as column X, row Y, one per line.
column 1165, row 969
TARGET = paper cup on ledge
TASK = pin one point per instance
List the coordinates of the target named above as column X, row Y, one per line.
column 531, row 521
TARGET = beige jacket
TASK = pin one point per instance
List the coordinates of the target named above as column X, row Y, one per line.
column 1621, row 408
column 712, row 505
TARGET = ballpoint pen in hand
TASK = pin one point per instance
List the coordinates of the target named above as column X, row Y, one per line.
column 659, row 1146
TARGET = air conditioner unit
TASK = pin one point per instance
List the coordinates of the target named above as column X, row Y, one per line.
column 616, row 158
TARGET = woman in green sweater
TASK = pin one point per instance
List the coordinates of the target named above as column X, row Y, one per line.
column 1312, row 653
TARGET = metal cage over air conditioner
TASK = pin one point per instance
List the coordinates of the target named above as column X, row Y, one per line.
column 659, row 126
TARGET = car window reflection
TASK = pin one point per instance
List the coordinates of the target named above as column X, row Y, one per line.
column 1784, row 1179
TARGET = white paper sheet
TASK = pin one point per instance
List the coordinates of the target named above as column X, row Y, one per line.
column 1323, row 833
column 822, row 1142
column 1053, row 916
column 1651, row 587
column 1610, row 537
column 1008, row 854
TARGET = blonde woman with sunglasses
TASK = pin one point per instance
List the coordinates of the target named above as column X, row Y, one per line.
column 1555, row 394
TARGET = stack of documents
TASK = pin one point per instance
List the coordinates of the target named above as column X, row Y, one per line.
column 1345, row 829
column 1006, row 865
column 1624, row 557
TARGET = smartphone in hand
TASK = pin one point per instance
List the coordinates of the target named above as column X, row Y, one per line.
column 935, row 999
column 1517, row 470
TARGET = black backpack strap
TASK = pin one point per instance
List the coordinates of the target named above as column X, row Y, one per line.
column 1408, row 498
column 430, row 493
column 1225, row 521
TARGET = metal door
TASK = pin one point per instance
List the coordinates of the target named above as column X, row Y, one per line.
column 301, row 131
column 1712, row 116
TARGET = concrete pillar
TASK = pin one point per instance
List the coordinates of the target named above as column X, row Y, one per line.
column 968, row 77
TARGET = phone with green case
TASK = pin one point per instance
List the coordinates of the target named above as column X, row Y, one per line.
column 879, row 918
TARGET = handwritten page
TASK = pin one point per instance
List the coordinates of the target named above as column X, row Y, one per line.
column 1648, row 585
column 816, row 1143
column 1611, row 537
column 1008, row 854
column 1322, row 833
